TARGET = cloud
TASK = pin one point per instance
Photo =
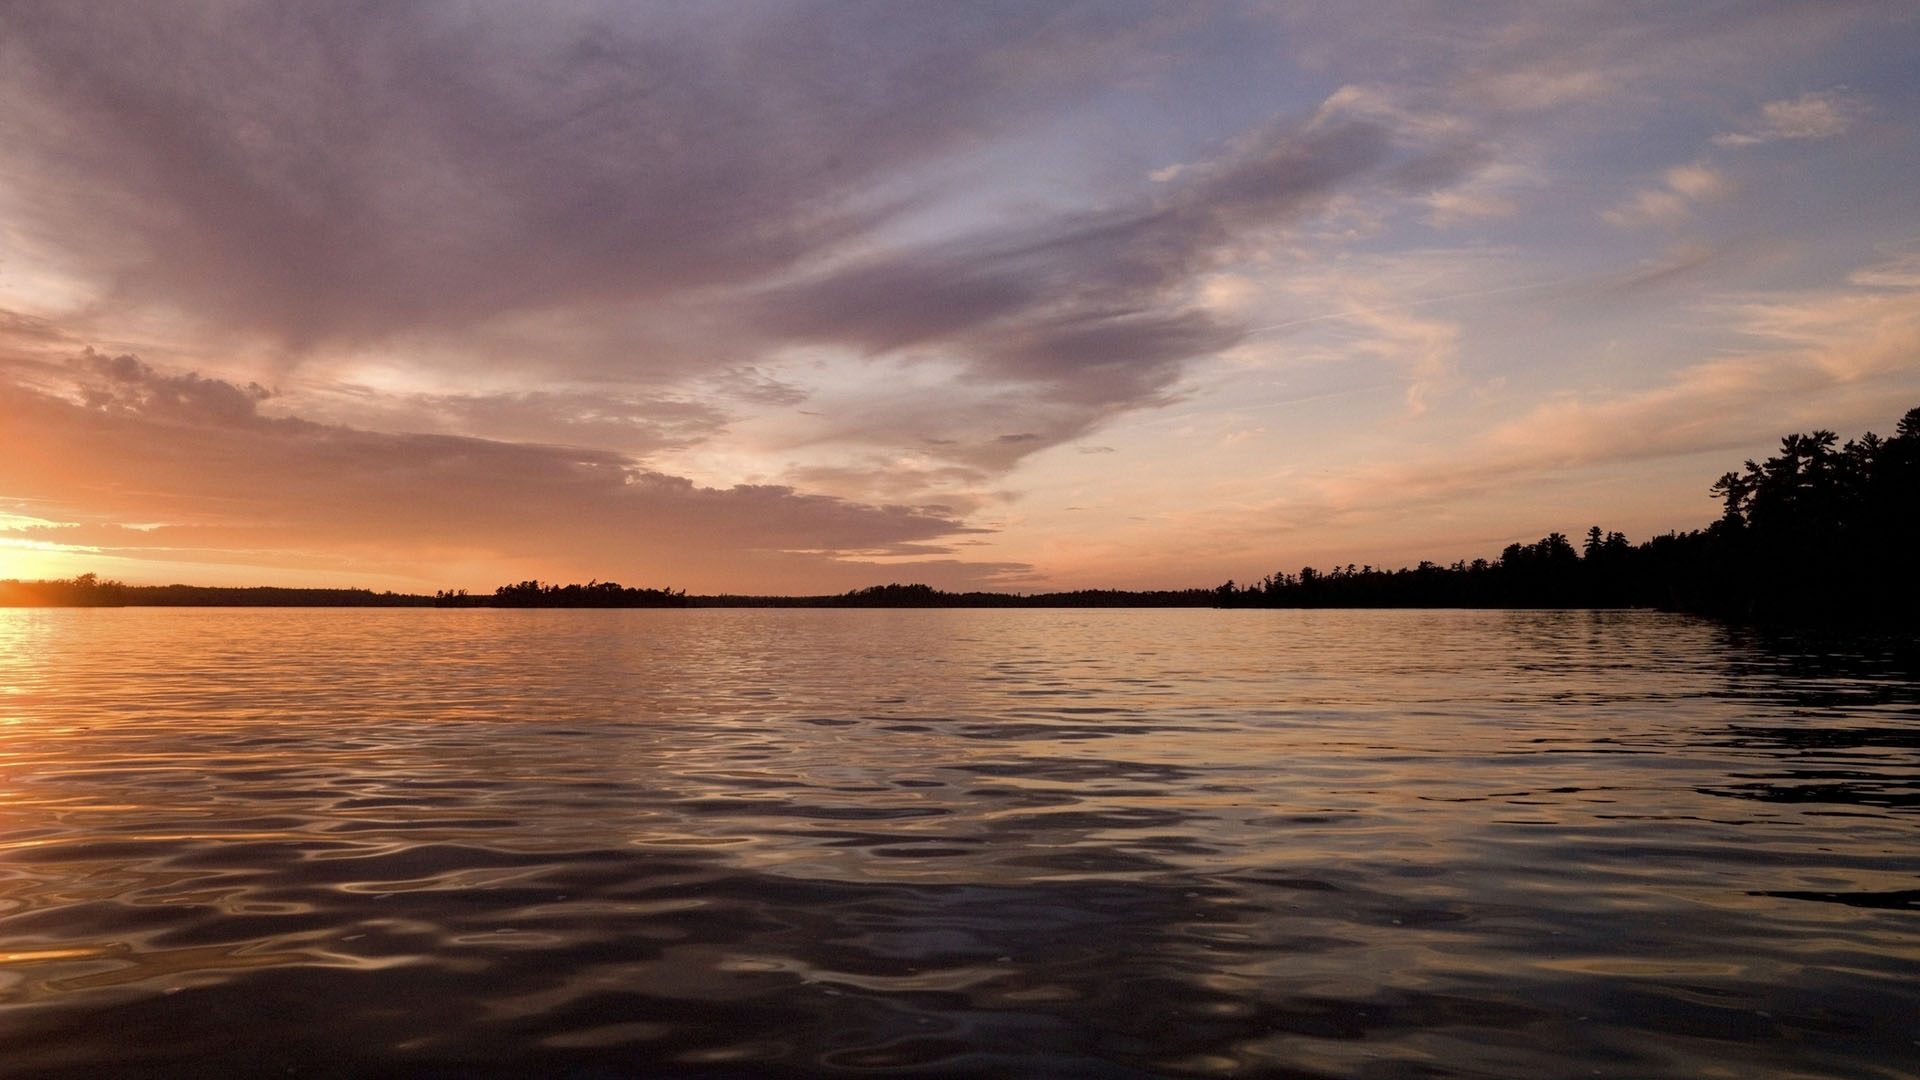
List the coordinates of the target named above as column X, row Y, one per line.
column 1527, row 60
column 636, row 424
column 1856, row 335
column 326, row 173
column 136, row 444
column 1529, row 89
column 125, row 385
column 895, row 478
column 1900, row 272
column 649, row 206
column 1696, row 181
column 17, row 327
column 1376, row 312
column 1816, row 358
column 1449, row 208
column 1681, row 189
column 1665, row 270
column 1092, row 313
column 1815, row 115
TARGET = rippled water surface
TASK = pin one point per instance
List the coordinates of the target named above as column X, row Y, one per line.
column 952, row 843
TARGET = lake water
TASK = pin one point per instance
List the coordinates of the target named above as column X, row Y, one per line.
column 744, row 843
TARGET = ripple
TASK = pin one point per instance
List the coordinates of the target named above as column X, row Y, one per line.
column 1116, row 844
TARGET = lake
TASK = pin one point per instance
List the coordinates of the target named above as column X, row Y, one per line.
column 787, row 843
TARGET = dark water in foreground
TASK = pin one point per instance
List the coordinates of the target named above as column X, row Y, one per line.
column 952, row 843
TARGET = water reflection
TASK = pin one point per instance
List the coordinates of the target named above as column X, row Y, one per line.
column 963, row 843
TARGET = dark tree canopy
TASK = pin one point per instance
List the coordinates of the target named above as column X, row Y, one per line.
column 1818, row 531
column 594, row 594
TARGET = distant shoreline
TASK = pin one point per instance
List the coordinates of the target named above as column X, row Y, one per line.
column 81, row 593
column 17, row 595
column 1821, row 533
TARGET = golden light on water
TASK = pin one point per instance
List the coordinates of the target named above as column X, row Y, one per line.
column 1388, row 834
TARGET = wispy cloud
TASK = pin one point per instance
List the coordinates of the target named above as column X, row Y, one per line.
column 642, row 199
column 1819, row 357
column 322, row 173
column 1820, row 114
column 1093, row 313
column 1681, row 189
column 1446, row 209
column 196, row 453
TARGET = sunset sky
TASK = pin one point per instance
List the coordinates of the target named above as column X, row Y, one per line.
column 794, row 297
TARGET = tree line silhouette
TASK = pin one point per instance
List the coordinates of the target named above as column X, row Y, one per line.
column 89, row 590
column 1819, row 531
column 594, row 594
column 897, row 595
column 528, row 594
column 1816, row 532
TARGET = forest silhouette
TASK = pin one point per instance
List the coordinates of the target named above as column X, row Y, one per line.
column 89, row 590
column 1819, row 532
column 594, row 594
column 1816, row 532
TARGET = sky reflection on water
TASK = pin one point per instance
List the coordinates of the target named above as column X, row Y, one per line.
column 1110, row 843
